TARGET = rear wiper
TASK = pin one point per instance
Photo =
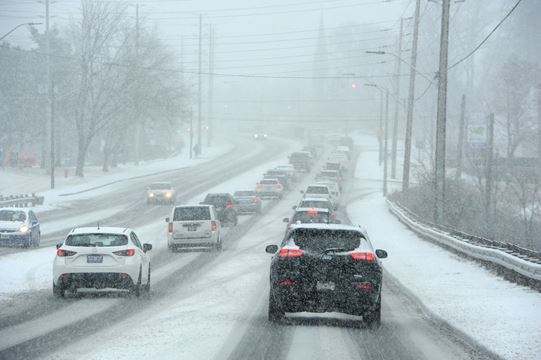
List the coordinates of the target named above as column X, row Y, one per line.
column 334, row 250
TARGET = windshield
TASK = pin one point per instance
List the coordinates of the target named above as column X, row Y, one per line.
column 99, row 240
column 314, row 204
column 219, row 200
column 191, row 213
column 317, row 190
column 160, row 186
column 319, row 240
column 12, row 215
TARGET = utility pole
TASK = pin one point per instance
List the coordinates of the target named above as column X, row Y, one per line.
column 385, row 146
column 199, row 98
column 460, row 147
column 211, row 88
column 441, row 115
column 137, row 116
column 191, row 132
column 381, row 130
column 489, row 180
column 397, row 103
column 411, row 99
column 539, row 125
column 50, row 92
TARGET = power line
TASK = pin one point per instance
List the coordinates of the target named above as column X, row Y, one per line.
column 488, row 36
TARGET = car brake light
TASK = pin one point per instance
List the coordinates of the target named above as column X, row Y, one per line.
column 213, row 226
column 259, row 186
column 364, row 286
column 128, row 252
column 278, row 186
column 363, row 256
column 63, row 253
column 170, row 227
column 290, row 253
column 287, row 282
column 312, row 212
column 229, row 206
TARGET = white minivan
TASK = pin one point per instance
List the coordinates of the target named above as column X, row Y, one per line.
column 193, row 226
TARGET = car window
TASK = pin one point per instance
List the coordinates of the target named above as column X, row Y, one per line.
column 191, row 213
column 319, row 240
column 135, row 240
column 12, row 215
column 97, row 240
column 311, row 217
column 317, row 190
column 269, row 182
column 160, row 186
column 245, row 193
column 315, row 204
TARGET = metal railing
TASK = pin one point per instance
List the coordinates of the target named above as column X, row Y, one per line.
column 512, row 257
column 21, row 200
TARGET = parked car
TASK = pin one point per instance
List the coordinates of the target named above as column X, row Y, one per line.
column 19, row 227
column 269, row 188
column 247, row 201
column 224, row 204
column 326, row 268
column 101, row 258
column 193, row 226
column 161, row 193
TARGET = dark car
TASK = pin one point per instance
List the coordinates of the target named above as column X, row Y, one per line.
column 247, row 201
column 301, row 161
column 224, row 204
column 326, row 268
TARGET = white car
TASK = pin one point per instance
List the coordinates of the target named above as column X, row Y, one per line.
column 193, row 226
column 161, row 193
column 334, row 191
column 101, row 258
column 269, row 187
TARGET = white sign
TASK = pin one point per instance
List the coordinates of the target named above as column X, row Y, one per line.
column 477, row 135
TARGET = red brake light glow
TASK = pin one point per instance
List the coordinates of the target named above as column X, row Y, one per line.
column 259, row 186
column 213, row 226
column 312, row 212
column 63, row 253
column 170, row 227
column 287, row 282
column 277, row 186
column 229, row 206
column 128, row 252
column 363, row 256
column 290, row 253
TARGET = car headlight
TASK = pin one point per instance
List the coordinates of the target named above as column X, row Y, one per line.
column 150, row 194
column 168, row 195
column 24, row 229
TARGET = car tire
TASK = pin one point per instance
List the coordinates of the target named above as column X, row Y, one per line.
column 373, row 317
column 136, row 288
column 146, row 287
column 276, row 314
column 219, row 244
column 59, row 291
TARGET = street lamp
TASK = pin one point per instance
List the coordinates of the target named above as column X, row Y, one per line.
column 18, row 26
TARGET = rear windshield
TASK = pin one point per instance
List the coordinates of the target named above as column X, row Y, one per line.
column 329, row 173
column 267, row 181
column 315, row 204
column 307, row 217
column 319, row 240
column 245, row 193
column 333, row 166
column 160, row 186
column 12, row 215
column 317, row 190
column 191, row 213
column 96, row 240
column 218, row 200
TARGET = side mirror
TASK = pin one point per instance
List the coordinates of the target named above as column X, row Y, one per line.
column 382, row 254
column 271, row 249
column 286, row 220
column 34, row 223
column 167, row 220
column 294, row 207
column 147, row 247
column 59, row 245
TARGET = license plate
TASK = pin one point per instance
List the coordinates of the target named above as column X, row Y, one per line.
column 192, row 228
column 94, row 259
column 325, row 285
column 4, row 236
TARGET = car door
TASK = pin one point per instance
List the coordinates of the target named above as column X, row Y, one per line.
column 144, row 257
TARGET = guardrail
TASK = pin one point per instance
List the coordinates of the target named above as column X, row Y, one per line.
column 21, row 200
column 519, row 260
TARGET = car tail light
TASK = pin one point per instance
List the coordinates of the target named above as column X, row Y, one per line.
column 312, row 212
column 213, row 226
column 170, row 227
column 364, row 256
column 290, row 253
column 128, row 252
column 254, row 199
column 364, row 286
column 278, row 186
column 229, row 206
column 63, row 253
column 287, row 283
column 259, row 186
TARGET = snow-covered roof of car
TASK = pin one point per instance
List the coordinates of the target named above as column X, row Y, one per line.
column 191, row 205
column 315, row 199
column 329, row 227
column 100, row 230
column 308, row 209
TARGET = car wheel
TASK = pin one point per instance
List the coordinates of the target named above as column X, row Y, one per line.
column 136, row 288
column 276, row 314
column 146, row 287
column 219, row 245
column 59, row 291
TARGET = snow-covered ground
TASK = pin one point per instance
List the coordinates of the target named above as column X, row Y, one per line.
column 502, row 316
column 35, row 180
